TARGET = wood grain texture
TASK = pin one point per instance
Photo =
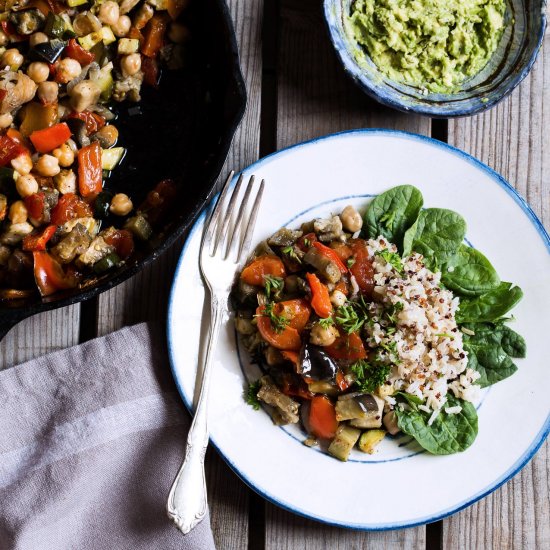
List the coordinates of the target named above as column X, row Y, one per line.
column 514, row 139
column 40, row 334
column 315, row 97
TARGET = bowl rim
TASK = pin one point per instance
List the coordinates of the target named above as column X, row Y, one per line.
column 358, row 76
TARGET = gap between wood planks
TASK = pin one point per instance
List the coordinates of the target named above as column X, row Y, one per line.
column 268, row 145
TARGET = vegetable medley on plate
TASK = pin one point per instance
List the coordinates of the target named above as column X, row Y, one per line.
column 62, row 65
column 386, row 323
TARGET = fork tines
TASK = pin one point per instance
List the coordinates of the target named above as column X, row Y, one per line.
column 230, row 228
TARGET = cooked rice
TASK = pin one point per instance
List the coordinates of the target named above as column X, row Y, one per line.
column 428, row 355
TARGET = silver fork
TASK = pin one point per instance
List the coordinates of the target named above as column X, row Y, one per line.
column 226, row 236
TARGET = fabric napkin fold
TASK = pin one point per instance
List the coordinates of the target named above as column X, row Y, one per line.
column 90, row 441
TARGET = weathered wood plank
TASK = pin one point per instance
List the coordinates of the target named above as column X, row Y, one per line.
column 39, row 335
column 144, row 297
column 512, row 138
column 315, row 97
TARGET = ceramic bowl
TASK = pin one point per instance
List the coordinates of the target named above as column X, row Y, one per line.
column 509, row 65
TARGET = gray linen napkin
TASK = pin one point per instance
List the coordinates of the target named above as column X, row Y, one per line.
column 90, row 441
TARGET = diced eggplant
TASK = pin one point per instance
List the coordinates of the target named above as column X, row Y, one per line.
column 97, row 250
column 15, row 233
column 27, row 21
column 49, row 51
column 90, row 224
column 5, row 253
column 140, row 227
column 373, row 418
column 390, row 422
column 78, row 129
column 286, row 409
column 244, row 294
column 322, row 386
column 345, row 439
column 74, row 244
column 316, row 364
column 263, row 249
column 106, row 263
column 355, row 405
column 284, row 237
column 370, row 439
column 244, row 325
column 327, row 268
column 328, row 229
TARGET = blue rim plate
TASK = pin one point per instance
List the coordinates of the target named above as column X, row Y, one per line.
column 325, row 174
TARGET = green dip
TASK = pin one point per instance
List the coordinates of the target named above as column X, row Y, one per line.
column 431, row 44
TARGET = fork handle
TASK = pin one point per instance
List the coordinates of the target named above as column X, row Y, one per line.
column 187, row 503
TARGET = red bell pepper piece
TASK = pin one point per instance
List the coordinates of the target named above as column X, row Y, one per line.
column 322, row 418
column 75, row 51
column 331, row 255
column 35, row 205
column 49, row 274
column 154, row 35
column 347, row 346
column 362, row 268
column 39, row 241
column 9, row 149
column 48, row 139
column 93, row 121
column 90, row 174
column 151, row 73
column 320, row 298
column 123, row 242
column 69, row 207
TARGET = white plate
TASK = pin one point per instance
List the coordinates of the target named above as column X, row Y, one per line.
column 398, row 486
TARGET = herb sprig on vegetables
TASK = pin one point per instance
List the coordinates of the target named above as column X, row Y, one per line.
column 251, row 394
column 368, row 376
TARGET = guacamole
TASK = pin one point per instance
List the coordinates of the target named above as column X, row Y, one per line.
column 431, row 44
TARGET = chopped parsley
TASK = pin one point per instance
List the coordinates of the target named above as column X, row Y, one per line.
column 350, row 262
column 392, row 310
column 290, row 251
column 278, row 322
column 251, row 394
column 369, row 377
column 273, row 284
column 307, row 243
column 391, row 258
column 352, row 315
column 325, row 323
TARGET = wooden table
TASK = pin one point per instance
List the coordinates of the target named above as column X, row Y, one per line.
column 297, row 91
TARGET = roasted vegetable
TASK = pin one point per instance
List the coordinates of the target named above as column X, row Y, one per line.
column 345, row 439
column 370, row 439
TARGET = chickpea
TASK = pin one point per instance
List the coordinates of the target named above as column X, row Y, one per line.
column 47, row 92
column 38, row 38
column 67, row 70
column 109, row 13
column 4, row 39
column 65, row 181
column 338, row 298
column 18, row 212
column 122, row 27
column 22, row 164
column 84, row 94
column 351, row 219
column 38, row 71
column 323, row 335
column 13, row 58
column 121, row 205
column 107, row 136
column 5, row 120
column 47, row 165
column 178, row 33
column 130, row 64
column 64, row 154
column 26, row 185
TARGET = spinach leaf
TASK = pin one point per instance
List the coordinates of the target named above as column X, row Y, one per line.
column 490, row 350
column 449, row 433
column 436, row 234
column 469, row 272
column 489, row 306
column 392, row 213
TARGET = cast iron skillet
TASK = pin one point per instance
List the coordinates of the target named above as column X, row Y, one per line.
column 181, row 131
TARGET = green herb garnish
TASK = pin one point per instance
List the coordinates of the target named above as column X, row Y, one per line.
column 391, row 258
column 369, row 377
column 278, row 322
column 348, row 318
column 273, row 284
column 325, row 323
column 350, row 262
column 251, row 394
column 290, row 251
